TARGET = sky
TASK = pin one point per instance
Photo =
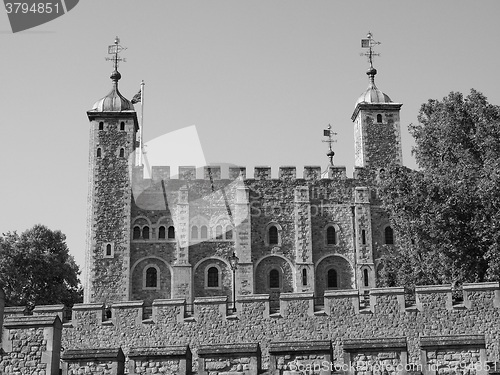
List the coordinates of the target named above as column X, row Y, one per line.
column 259, row 80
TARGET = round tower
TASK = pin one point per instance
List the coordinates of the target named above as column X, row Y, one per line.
column 113, row 129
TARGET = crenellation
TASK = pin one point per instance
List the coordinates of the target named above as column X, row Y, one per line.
column 287, row 173
column 387, row 300
column 127, row 314
column 481, row 295
column 237, row 172
column 187, row 172
column 337, row 172
column 212, row 172
column 262, row 173
column 159, row 173
column 312, row 173
column 433, row 297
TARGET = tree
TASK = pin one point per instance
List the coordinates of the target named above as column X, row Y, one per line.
column 37, row 269
column 447, row 214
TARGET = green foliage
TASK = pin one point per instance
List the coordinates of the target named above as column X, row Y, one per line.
column 37, row 269
column 446, row 215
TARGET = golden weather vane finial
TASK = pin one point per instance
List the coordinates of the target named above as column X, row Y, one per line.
column 369, row 43
column 115, row 49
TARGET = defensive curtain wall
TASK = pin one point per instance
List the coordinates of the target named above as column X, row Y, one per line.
column 388, row 336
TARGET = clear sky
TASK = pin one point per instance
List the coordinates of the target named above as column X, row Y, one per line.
column 259, row 80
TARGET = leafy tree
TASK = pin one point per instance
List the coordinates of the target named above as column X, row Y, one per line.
column 37, row 269
column 447, row 214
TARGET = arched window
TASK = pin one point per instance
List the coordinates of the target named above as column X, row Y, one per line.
column 137, row 233
column 171, row 232
column 122, row 125
column 194, row 232
column 99, row 152
column 229, row 232
column 273, row 235
column 108, row 249
column 204, row 232
column 365, row 277
column 363, row 237
column 379, row 118
column 101, row 125
column 145, row 233
column 161, row 233
column 122, row 152
column 213, row 277
column 218, row 232
column 151, row 277
column 274, row 279
column 304, row 277
column 332, row 281
column 389, row 236
column 331, row 236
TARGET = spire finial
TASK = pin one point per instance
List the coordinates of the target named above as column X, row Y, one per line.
column 329, row 133
column 115, row 49
column 369, row 43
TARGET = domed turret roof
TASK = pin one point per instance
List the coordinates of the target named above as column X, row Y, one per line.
column 373, row 95
column 114, row 101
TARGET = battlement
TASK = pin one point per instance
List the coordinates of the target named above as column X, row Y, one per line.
column 261, row 173
column 303, row 329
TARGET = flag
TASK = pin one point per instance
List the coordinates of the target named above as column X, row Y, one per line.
column 137, row 97
column 326, row 132
column 365, row 43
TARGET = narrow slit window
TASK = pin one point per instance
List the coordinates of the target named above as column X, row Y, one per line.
column 213, row 277
column 145, row 233
column 151, row 278
column 389, row 236
column 332, row 278
column 161, row 233
column 122, row 126
column 122, row 152
column 274, row 279
column 363, row 237
column 304, row 277
column 99, row 152
column 101, row 125
column 273, row 235
column 108, row 250
column 137, row 233
column 218, row 232
column 229, row 233
column 171, row 232
column 331, row 236
column 365, row 277
column 204, row 232
column 379, row 118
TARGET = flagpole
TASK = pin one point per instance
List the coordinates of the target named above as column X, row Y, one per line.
column 141, row 145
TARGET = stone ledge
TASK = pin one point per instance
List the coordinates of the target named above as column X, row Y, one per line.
column 387, row 291
column 341, row 293
column 299, row 346
column 210, row 300
column 218, row 349
column 168, row 302
column 161, row 351
column 32, row 321
column 126, row 304
column 15, row 310
column 472, row 287
column 88, row 306
column 248, row 298
column 296, row 296
column 99, row 354
column 425, row 289
column 375, row 343
column 428, row 342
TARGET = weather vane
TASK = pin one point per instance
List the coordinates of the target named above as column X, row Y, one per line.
column 369, row 43
column 115, row 49
column 329, row 133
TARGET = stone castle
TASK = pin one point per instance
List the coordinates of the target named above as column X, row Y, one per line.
column 247, row 276
column 162, row 238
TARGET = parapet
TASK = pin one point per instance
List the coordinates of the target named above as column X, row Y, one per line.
column 261, row 173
